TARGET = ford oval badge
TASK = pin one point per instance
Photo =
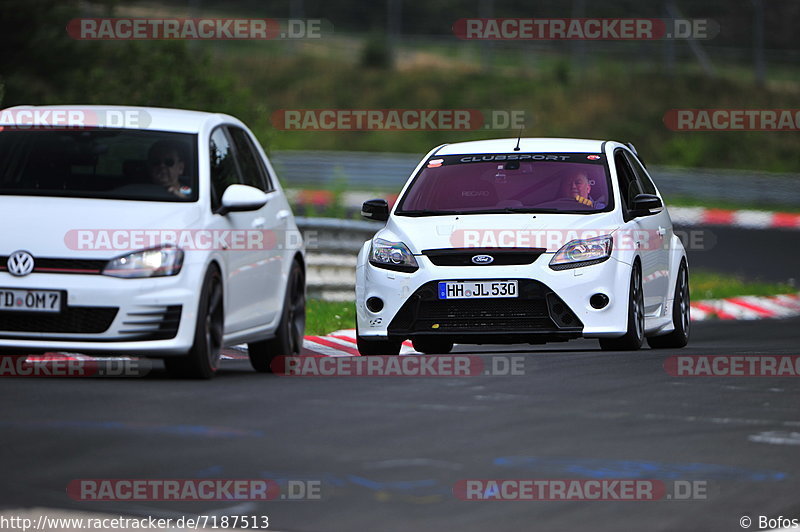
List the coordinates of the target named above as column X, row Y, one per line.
column 482, row 259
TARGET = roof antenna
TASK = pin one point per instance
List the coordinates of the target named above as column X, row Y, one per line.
column 519, row 137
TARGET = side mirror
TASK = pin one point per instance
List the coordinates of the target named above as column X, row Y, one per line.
column 375, row 209
column 241, row 198
column 646, row 204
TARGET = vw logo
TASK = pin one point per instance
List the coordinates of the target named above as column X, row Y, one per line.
column 482, row 259
column 20, row 263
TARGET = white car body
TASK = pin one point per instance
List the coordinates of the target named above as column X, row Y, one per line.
column 575, row 286
column 254, row 280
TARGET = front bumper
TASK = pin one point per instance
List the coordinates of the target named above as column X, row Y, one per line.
column 411, row 306
column 106, row 315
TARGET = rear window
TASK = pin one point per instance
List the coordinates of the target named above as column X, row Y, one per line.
column 514, row 182
column 100, row 163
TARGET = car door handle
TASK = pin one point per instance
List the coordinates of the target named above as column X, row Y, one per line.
column 661, row 231
column 259, row 222
column 282, row 215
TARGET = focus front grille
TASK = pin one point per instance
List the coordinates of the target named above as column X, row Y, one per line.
column 487, row 314
column 536, row 310
column 501, row 256
column 87, row 320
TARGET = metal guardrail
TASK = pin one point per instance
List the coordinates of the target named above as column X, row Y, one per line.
column 356, row 170
column 332, row 246
column 389, row 171
column 332, row 235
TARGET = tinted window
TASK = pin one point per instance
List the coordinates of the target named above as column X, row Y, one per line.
column 647, row 184
column 223, row 166
column 508, row 182
column 249, row 160
column 99, row 163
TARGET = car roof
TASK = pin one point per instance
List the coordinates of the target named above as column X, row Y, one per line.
column 155, row 118
column 526, row 145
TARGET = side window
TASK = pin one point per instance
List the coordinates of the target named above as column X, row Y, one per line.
column 629, row 187
column 253, row 172
column 223, row 166
column 647, row 184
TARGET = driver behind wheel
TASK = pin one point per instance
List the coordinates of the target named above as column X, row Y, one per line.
column 578, row 187
column 166, row 167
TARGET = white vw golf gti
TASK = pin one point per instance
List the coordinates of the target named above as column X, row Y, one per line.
column 523, row 241
column 145, row 232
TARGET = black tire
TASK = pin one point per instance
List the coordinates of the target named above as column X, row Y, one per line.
column 632, row 340
column 681, row 315
column 288, row 340
column 202, row 360
column 433, row 346
column 383, row 347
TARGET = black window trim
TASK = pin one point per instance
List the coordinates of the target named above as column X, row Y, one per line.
column 224, row 129
column 265, row 175
column 626, row 212
column 635, row 160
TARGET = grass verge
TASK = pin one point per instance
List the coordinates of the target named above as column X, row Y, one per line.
column 712, row 285
column 323, row 317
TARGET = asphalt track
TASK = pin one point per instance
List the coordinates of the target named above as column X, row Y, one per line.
column 388, row 451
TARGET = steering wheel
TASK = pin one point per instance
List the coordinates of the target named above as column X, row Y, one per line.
column 564, row 203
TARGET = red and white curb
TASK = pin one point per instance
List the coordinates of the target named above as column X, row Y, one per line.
column 747, row 308
column 343, row 343
column 336, row 344
column 745, row 219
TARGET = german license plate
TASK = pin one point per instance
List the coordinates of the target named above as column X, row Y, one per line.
column 477, row 289
column 30, row 300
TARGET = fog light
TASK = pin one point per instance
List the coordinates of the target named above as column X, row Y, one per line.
column 598, row 301
column 375, row 304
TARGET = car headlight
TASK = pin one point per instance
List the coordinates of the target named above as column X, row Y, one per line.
column 392, row 256
column 157, row 262
column 579, row 253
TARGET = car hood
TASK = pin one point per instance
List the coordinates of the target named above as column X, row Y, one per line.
column 550, row 231
column 48, row 226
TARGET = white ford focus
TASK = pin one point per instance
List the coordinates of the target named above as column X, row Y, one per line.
column 523, row 241
column 146, row 232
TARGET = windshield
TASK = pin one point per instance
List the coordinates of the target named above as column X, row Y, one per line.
column 100, row 163
column 515, row 182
